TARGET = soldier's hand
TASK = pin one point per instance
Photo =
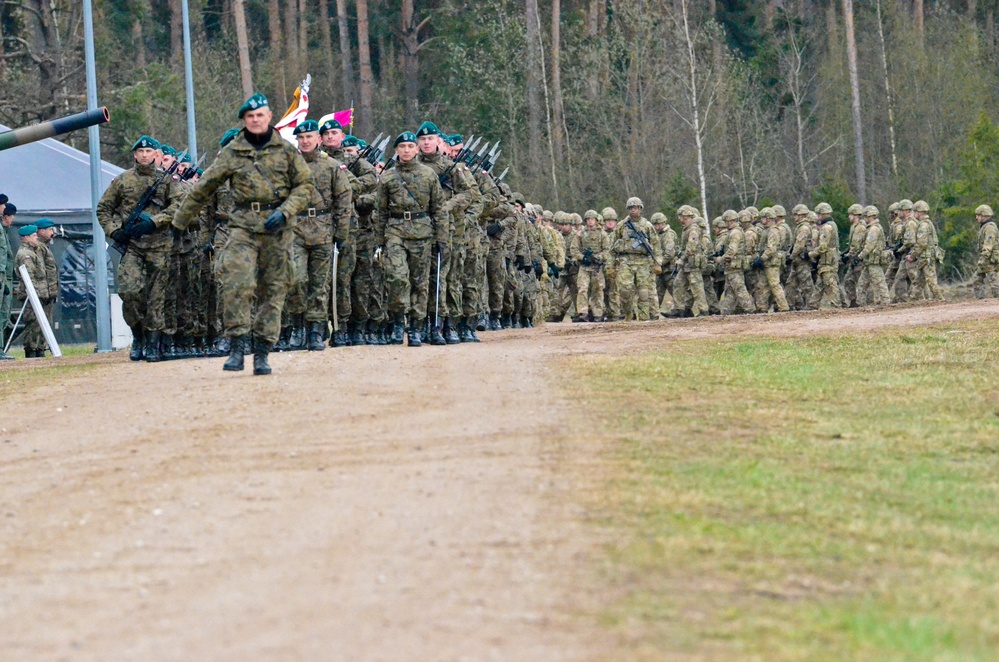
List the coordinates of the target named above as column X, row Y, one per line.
column 142, row 228
column 537, row 269
column 119, row 236
column 845, row 258
column 378, row 252
column 758, row 263
column 275, row 221
column 656, row 269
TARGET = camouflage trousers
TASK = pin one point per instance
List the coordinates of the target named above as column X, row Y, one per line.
column 565, row 295
column 986, row 284
column 496, row 275
column 33, row 337
column 891, row 277
column 471, row 290
column 367, row 286
column 453, row 291
column 799, row 285
column 735, row 296
column 770, row 290
column 407, row 276
column 514, row 290
column 481, row 275
column 142, row 284
column 826, row 292
column 688, row 292
column 636, row 285
column 850, row 289
column 710, row 294
column 925, row 283
column 346, row 263
column 183, row 312
column 309, row 292
column 590, row 292
column 527, row 304
column 872, row 289
column 257, row 268
column 213, row 299
column 903, row 288
column 612, row 295
column 663, row 291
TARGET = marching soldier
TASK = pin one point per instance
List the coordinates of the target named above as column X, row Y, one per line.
column 903, row 289
column 986, row 281
column 636, row 269
column 925, row 254
column 591, row 252
column 771, row 260
column 688, row 288
column 826, row 253
column 871, row 285
column 858, row 231
column 732, row 261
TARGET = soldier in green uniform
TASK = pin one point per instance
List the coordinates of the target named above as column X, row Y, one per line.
column 903, row 287
column 826, row 253
column 986, row 280
column 636, row 269
column 853, row 297
column 688, row 287
column 732, row 262
column 330, row 206
column 926, row 254
column 799, row 278
column 271, row 184
column 667, row 247
column 31, row 256
column 214, row 236
column 413, row 230
column 591, row 252
column 771, row 260
column 7, row 212
column 144, row 271
column 871, row 285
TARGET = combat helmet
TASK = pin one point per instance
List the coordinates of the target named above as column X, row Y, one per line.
column 823, row 208
column 634, row 202
column 779, row 211
column 892, row 208
column 871, row 210
column 983, row 210
column 548, row 215
column 577, row 219
column 767, row 212
column 855, row 209
column 718, row 224
column 730, row 215
column 920, row 205
column 753, row 211
column 658, row 217
column 799, row 209
column 609, row 214
column 905, row 204
column 591, row 213
column 686, row 210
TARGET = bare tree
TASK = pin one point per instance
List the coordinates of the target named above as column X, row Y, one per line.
column 889, row 97
column 364, row 62
column 243, row 45
column 534, row 82
column 346, row 56
column 858, row 129
column 411, row 46
column 276, row 50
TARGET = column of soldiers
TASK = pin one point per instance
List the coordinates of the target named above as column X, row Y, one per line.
column 297, row 247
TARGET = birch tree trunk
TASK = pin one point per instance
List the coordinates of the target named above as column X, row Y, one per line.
column 695, row 109
column 533, row 76
column 889, row 97
column 243, row 46
column 858, row 131
column 364, row 62
column 558, row 113
column 346, row 56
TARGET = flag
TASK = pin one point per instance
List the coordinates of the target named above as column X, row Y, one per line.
column 344, row 117
column 297, row 113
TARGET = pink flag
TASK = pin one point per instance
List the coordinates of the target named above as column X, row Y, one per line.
column 344, row 117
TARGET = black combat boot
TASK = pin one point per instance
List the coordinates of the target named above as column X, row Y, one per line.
column 283, row 340
column 357, row 335
column 222, row 347
column 494, row 323
column 436, row 337
column 297, row 340
column 260, row 350
column 237, row 348
column 182, row 345
column 470, row 325
column 340, row 338
column 506, row 322
column 316, row 343
column 371, row 333
column 526, row 322
column 482, row 323
column 414, row 335
column 136, row 353
column 465, row 329
column 385, row 334
column 515, row 322
column 398, row 331
column 168, row 347
column 450, row 335
column 152, row 351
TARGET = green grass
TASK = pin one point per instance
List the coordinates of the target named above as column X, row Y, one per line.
column 816, row 498
column 21, row 379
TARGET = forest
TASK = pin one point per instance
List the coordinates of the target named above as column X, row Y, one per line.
column 715, row 103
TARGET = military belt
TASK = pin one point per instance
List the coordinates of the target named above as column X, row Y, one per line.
column 312, row 212
column 410, row 216
column 259, row 206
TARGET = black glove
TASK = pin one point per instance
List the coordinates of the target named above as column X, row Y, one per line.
column 537, row 269
column 553, row 270
column 507, row 260
column 855, row 262
column 494, row 229
column 519, row 262
column 208, row 249
column 275, row 221
column 119, row 236
column 176, row 232
column 586, row 261
column 439, row 248
column 844, row 258
column 142, row 228
column 758, row 263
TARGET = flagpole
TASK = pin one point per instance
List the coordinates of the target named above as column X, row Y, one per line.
column 351, row 117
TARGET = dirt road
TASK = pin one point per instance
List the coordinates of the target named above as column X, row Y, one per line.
column 360, row 504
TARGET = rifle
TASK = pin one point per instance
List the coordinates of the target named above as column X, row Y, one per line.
column 141, row 204
column 445, row 177
column 640, row 239
column 193, row 170
column 502, row 175
column 368, row 149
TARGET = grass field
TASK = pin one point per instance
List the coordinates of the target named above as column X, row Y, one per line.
column 805, row 498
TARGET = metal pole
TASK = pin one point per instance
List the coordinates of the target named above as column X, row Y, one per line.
column 103, row 312
column 192, row 131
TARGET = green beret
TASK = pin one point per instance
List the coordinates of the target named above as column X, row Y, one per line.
column 255, row 102
column 228, row 137
column 454, row 139
column 25, row 230
column 428, row 129
column 350, row 141
column 200, row 171
column 168, row 150
column 308, row 126
column 405, row 137
column 186, row 158
column 362, row 143
column 329, row 125
column 146, row 141
column 44, row 224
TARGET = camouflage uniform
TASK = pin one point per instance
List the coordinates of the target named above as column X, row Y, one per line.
column 826, row 293
column 592, row 253
column 368, row 282
column 799, row 278
column 895, row 238
column 688, row 288
column 411, row 218
column 144, row 272
column 256, row 264
column 718, row 249
column 903, row 288
column 6, row 284
column 986, row 281
column 925, row 255
column 214, row 236
column 501, row 230
column 856, row 243
column 871, row 286
column 534, row 266
column 33, row 258
column 664, row 281
column 635, row 268
column 185, row 289
column 754, row 244
column 733, row 260
column 772, row 257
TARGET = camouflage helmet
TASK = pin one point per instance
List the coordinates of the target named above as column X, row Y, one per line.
column 745, row 216
column 920, row 205
column 983, row 210
column 823, row 208
column 548, row 215
column 529, row 209
column 634, row 202
column 892, row 208
column 577, row 219
column 754, row 211
column 767, row 212
column 609, row 214
column 812, row 216
column 779, row 211
column 905, row 205
column 730, row 215
column 591, row 213
column 855, row 209
column 871, row 210
column 701, row 221
column 718, row 223
column 658, row 217
column 519, row 198
column 558, row 218
column 600, row 218
column 686, row 210
column 799, row 210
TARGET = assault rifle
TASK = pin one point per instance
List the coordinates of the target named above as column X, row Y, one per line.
column 366, row 152
column 502, row 175
column 140, row 206
column 462, row 156
column 640, row 239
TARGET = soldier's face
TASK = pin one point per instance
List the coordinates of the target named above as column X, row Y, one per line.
column 333, row 138
column 455, row 150
column 591, row 223
column 635, row 212
column 31, row 239
column 7, row 220
column 427, row 144
column 351, row 151
column 145, row 155
column 257, row 121
column 406, row 151
column 46, row 233
column 168, row 161
column 610, row 225
column 308, row 141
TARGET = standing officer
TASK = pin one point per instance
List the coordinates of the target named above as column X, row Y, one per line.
column 986, row 282
column 636, row 269
column 270, row 184
column 688, row 287
column 591, row 251
column 32, row 257
column 413, row 230
column 144, row 271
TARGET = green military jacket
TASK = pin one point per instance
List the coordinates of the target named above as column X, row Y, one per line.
column 6, row 261
column 597, row 242
column 33, row 257
column 215, row 222
column 624, row 241
column 858, row 234
column 462, row 203
column 926, row 241
column 51, row 270
column 330, row 202
column 124, row 192
column 275, row 176
column 734, row 257
column 802, row 240
column 827, row 250
column 988, row 243
column 873, row 251
column 411, row 204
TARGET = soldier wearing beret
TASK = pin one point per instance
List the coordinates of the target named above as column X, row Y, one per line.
column 32, row 257
column 271, row 184
column 7, row 212
column 144, row 271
